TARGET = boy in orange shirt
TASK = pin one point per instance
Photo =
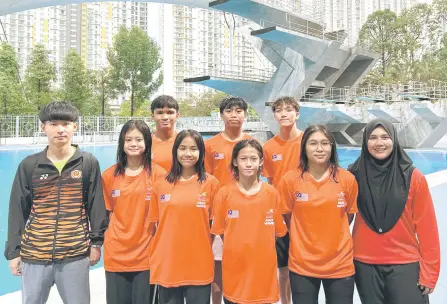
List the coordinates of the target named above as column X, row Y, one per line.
column 181, row 260
column 217, row 162
column 281, row 154
column 247, row 216
column 127, row 192
column 321, row 199
column 165, row 112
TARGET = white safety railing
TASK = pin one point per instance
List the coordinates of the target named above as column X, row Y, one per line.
column 97, row 129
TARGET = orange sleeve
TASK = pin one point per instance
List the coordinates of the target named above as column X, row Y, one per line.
column 424, row 218
column 213, row 193
column 280, row 225
column 208, row 158
column 286, row 205
column 153, row 206
column 266, row 170
column 352, row 191
column 106, row 185
column 220, row 213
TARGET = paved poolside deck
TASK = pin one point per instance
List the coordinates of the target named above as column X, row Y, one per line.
column 438, row 187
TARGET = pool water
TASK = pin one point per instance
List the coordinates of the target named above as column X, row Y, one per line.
column 427, row 162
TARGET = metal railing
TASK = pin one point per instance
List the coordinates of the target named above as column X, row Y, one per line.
column 237, row 72
column 308, row 28
column 389, row 93
column 297, row 7
column 96, row 129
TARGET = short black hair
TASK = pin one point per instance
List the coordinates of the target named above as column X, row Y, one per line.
column 230, row 101
column 59, row 110
column 164, row 101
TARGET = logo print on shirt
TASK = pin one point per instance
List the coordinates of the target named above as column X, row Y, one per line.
column 232, row 214
column 148, row 194
column 201, row 200
column 218, row 155
column 341, row 200
column 165, row 198
column 76, row 174
column 44, row 176
column 276, row 157
column 269, row 218
column 301, row 197
column 116, row 193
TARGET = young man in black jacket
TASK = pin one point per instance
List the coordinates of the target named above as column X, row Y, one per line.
column 57, row 217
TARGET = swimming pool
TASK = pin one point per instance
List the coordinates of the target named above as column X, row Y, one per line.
column 426, row 161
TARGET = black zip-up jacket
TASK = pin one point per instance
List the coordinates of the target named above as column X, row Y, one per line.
column 55, row 217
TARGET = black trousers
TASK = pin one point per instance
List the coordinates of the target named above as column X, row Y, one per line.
column 388, row 284
column 128, row 287
column 305, row 289
column 185, row 294
column 282, row 250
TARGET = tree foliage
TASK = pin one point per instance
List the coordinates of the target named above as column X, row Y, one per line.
column 135, row 65
column 102, row 92
column 201, row 104
column 409, row 45
column 378, row 34
column 39, row 76
column 76, row 89
column 12, row 99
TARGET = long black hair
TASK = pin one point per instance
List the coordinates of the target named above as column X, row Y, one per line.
column 121, row 156
column 333, row 160
column 176, row 169
column 238, row 147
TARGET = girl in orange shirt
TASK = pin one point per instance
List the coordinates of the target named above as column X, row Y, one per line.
column 181, row 260
column 127, row 190
column 321, row 199
column 248, row 219
column 396, row 240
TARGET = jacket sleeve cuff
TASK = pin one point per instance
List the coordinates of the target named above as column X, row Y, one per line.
column 10, row 255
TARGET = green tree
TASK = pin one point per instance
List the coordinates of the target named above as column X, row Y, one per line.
column 39, row 76
column 12, row 99
column 75, row 82
column 135, row 65
column 143, row 110
column 102, row 92
column 418, row 36
column 201, row 105
column 378, row 34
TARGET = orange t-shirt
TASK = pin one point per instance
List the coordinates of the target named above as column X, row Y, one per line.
column 414, row 238
column 280, row 157
column 162, row 152
column 320, row 240
column 218, row 152
column 129, row 234
column 181, row 249
column 249, row 224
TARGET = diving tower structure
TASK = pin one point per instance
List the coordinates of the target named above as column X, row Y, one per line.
column 307, row 61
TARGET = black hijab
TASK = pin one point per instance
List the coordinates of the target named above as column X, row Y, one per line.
column 383, row 184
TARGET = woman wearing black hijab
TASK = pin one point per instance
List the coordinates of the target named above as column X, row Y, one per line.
column 396, row 241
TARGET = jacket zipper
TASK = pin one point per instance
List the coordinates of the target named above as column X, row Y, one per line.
column 57, row 214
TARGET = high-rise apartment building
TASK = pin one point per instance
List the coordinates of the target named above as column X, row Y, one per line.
column 88, row 28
